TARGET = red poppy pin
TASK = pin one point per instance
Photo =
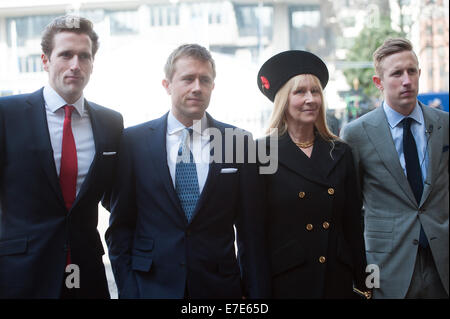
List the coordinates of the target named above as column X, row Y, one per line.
column 265, row 82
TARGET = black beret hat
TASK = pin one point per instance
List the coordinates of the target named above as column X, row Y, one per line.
column 283, row 66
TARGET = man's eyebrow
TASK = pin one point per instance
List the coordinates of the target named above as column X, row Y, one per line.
column 395, row 69
column 65, row 51
column 74, row 52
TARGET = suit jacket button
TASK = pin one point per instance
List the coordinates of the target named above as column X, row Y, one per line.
column 331, row 191
column 182, row 264
column 326, row 225
column 309, row 227
column 415, row 242
column 301, row 194
column 322, row 259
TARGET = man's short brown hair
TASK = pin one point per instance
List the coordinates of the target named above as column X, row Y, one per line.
column 188, row 50
column 68, row 23
column 389, row 47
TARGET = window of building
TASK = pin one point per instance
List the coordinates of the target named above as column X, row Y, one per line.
column 429, row 54
column 253, row 20
column 123, row 22
column 305, row 27
column 164, row 15
column 30, row 64
column 308, row 16
column 94, row 15
column 27, row 28
column 215, row 14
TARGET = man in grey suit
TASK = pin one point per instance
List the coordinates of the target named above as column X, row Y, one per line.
column 401, row 155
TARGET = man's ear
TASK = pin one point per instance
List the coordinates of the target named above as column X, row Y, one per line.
column 45, row 61
column 377, row 81
column 166, row 85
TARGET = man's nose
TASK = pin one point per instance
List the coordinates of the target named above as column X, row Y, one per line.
column 75, row 63
column 406, row 79
column 196, row 85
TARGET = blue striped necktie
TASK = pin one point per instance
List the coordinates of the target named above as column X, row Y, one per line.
column 186, row 182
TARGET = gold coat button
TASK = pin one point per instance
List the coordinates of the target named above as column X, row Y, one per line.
column 326, row 225
column 322, row 259
column 309, row 226
column 331, row 191
column 301, row 194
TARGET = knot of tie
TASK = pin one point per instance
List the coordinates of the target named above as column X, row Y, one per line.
column 68, row 109
column 407, row 122
column 184, row 152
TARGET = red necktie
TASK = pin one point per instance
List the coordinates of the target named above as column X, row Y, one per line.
column 69, row 167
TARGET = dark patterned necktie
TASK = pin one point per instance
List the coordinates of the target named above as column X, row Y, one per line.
column 186, row 182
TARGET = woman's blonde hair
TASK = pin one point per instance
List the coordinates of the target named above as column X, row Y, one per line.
column 278, row 117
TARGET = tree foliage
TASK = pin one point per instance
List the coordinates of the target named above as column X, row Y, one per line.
column 365, row 44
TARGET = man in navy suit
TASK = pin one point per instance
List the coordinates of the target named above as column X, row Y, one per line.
column 171, row 231
column 57, row 158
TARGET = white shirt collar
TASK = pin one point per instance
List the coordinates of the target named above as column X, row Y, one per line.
column 54, row 101
column 174, row 126
column 394, row 117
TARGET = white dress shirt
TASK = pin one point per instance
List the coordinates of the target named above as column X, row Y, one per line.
column 81, row 129
column 199, row 146
column 418, row 130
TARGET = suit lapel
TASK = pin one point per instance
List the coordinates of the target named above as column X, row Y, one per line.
column 214, row 169
column 379, row 134
column 99, row 140
column 434, row 149
column 41, row 143
column 213, row 174
column 156, row 140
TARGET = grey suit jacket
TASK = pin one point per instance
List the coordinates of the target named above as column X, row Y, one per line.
column 392, row 216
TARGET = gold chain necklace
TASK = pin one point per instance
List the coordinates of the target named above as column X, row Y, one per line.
column 305, row 145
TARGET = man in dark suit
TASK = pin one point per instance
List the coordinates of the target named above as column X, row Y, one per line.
column 173, row 211
column 57, row 158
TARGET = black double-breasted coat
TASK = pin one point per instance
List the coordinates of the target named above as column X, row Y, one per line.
column 315, row 233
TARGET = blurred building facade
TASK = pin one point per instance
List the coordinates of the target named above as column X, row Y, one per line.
column 137, row 35
column 140, row 34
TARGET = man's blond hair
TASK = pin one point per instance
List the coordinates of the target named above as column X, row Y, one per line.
column 389, row 47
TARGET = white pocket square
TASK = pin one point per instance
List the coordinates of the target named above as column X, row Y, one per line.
column 228, row 170
column 109, row 153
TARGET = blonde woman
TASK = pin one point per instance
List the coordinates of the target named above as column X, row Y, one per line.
column 314, row 231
